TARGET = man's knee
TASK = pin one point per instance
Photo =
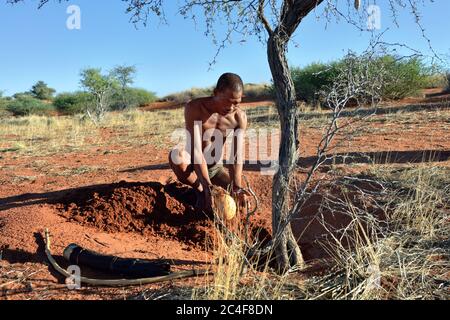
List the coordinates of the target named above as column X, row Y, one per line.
column 171, row 158
column 178, row 160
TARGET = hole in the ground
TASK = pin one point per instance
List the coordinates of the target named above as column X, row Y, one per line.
column 149, row 208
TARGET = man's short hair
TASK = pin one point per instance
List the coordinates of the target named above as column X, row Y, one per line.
column 230, row 81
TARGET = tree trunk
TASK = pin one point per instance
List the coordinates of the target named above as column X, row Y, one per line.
column 287, row 251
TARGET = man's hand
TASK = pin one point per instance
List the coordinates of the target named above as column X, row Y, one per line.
column 204, row 200
column 241, row 195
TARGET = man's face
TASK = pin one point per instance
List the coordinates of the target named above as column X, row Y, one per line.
column 226, row 100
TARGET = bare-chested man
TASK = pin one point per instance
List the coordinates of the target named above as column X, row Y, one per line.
column 208, row 119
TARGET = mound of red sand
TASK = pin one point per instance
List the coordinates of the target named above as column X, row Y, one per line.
column 149, row 208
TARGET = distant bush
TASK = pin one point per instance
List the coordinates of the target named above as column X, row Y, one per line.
column 258, row 91
column 42, row 91
column 26, row 105
column 3, row 105
column 73, row 103
column 404, row 77
column 436, row 81
column 251, row 90
column 308, row 81
column 19, row 95
column 79, row 102
column 2, row 100
column 193, row 93
column 129, row 98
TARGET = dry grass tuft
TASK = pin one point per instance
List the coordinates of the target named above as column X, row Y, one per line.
column 404, row 257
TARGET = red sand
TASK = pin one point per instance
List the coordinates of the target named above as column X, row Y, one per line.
column 143, row 217
column 148, row 208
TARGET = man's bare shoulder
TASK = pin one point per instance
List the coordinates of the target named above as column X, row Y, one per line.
column 194, row 108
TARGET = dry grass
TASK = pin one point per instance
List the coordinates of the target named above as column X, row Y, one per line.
column 236, row 278
column 407, row 256
column 404, row 256
column 19, row 280
column 40, row 135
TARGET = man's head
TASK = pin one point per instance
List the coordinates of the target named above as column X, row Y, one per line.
column 228, row 93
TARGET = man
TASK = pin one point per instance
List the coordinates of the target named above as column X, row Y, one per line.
column 209, row 121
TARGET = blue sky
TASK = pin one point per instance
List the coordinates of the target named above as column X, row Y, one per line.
column 36, row 45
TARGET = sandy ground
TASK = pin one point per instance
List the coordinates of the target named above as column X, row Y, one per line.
column 28, row 207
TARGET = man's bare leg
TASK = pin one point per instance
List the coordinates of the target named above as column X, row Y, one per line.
column 179, row 161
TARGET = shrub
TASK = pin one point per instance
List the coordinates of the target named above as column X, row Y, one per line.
column 21, row 94
column 308, row 81
column 436, row 81
column 258, row 91
column 3, row 105
column 25, row 105
column 2, row 101
column 188, row 95
column 130, row 98
column 42, row 91
column 404, row 77
column 73, row 103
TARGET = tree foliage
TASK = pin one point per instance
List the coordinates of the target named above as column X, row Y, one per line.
column 101, row 87
column 42, row 91
column 125, row 77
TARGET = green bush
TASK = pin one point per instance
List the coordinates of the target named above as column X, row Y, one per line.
column 129, row 98
column 42, row 91
column 73, row 103
column 3, row 105
column 26, row 105
column 79, row 102
column 404, row 77
column 19, row 95
column 308, row 81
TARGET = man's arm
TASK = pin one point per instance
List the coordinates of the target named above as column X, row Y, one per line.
column 194, row 127
column 238, row 150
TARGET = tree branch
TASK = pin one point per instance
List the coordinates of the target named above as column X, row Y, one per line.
column 262, row 17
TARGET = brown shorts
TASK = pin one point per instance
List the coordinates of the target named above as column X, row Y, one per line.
column 212, row 171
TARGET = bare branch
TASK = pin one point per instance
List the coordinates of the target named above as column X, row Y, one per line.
column 263, row 17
